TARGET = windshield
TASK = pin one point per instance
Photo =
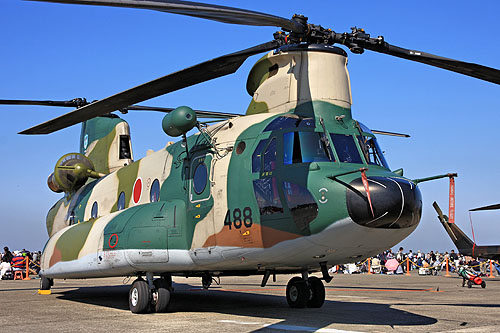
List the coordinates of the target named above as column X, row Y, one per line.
column 346, row 148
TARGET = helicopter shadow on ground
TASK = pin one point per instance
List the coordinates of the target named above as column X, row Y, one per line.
column 188, row 298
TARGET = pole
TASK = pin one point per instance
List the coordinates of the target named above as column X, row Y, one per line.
column 491, row 270
column 370, row 266
column 27, row 268
column 451, row 211
column 408, row 266
column 447, row 268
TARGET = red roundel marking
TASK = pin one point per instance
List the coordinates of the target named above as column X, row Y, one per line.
column 113, row 239
column 137, row 190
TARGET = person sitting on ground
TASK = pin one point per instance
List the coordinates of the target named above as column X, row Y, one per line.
column 5, row 264
column 18, row 262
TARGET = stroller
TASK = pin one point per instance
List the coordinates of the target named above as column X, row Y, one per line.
column 468, row 275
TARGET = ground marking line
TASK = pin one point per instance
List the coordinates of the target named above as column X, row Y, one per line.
column 286, row 327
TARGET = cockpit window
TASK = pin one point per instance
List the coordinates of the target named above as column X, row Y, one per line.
column 302, row 205
column 256, row 156
column 289, row 121
column 270, row 156
column 369, row 145
column 267, row 195
column 372, row 152
column 346, row 148
column 305, row 147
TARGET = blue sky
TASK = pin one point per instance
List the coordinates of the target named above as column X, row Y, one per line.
column 54, row 51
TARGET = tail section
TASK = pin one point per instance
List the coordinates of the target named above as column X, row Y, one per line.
column 106, row 142
column 463, row 243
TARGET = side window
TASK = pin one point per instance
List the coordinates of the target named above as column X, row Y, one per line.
column 200, row 178
column 267, row 194
column 270, row 156
column 154, row 194
column 372, row 152
column 125, row 147
column 256, row 156
column 121, row 201
column 346, row 148
column 94, row 211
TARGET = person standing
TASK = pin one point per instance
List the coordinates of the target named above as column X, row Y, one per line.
column 5, row 264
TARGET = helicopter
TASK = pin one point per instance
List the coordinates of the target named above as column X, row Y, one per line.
column 464, row 244
column 294, row 186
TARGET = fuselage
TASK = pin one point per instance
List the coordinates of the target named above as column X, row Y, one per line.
column 281, row 188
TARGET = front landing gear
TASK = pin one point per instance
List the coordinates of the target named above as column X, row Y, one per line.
column 308, row 292
column 317, row 290
column 46, row 283
column 150, row 296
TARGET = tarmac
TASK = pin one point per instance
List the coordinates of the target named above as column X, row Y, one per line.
column 362, row 303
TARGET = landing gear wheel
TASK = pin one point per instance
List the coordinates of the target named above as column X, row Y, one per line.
column 206, row 281
column 483, row 284
column 161, row 295
column 317, row 293
column 297, row 293
column 469, row 284
column 46, row 283
column 139, row 296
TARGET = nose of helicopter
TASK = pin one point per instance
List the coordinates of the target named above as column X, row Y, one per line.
column 396, row 203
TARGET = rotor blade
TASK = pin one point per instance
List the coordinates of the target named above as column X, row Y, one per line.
column 490, row 207
column 204, row 71
column 470, row 69
column 199, row 113
column 77, row 102
column 390, row 133
column 207, row 11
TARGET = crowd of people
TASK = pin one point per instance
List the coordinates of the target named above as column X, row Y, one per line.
column 16, row 260
column 431, row 263
column 387, row 262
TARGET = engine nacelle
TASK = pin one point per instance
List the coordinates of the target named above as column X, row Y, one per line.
column 70, row 173
column 52, row 184
column 179, row 121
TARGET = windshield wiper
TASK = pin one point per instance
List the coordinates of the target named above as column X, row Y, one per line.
column 325, row 140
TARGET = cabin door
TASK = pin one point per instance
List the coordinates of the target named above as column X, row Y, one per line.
column 200, row 208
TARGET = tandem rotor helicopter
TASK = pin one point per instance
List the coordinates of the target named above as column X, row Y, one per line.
column 295, row 185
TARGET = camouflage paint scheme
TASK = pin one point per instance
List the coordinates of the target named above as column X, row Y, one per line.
column 218, row 227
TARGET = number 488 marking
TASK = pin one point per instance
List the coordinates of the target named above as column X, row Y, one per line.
column 239, row 220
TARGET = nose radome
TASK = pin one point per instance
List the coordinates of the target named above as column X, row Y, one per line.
column 397, row 203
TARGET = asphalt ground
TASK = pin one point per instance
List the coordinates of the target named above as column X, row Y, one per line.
column 366, row 303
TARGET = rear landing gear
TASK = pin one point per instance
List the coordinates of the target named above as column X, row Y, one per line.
column 161, row 295
column 150, row 296
column 301, row 293
column 206, row 280
column 139, row 296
